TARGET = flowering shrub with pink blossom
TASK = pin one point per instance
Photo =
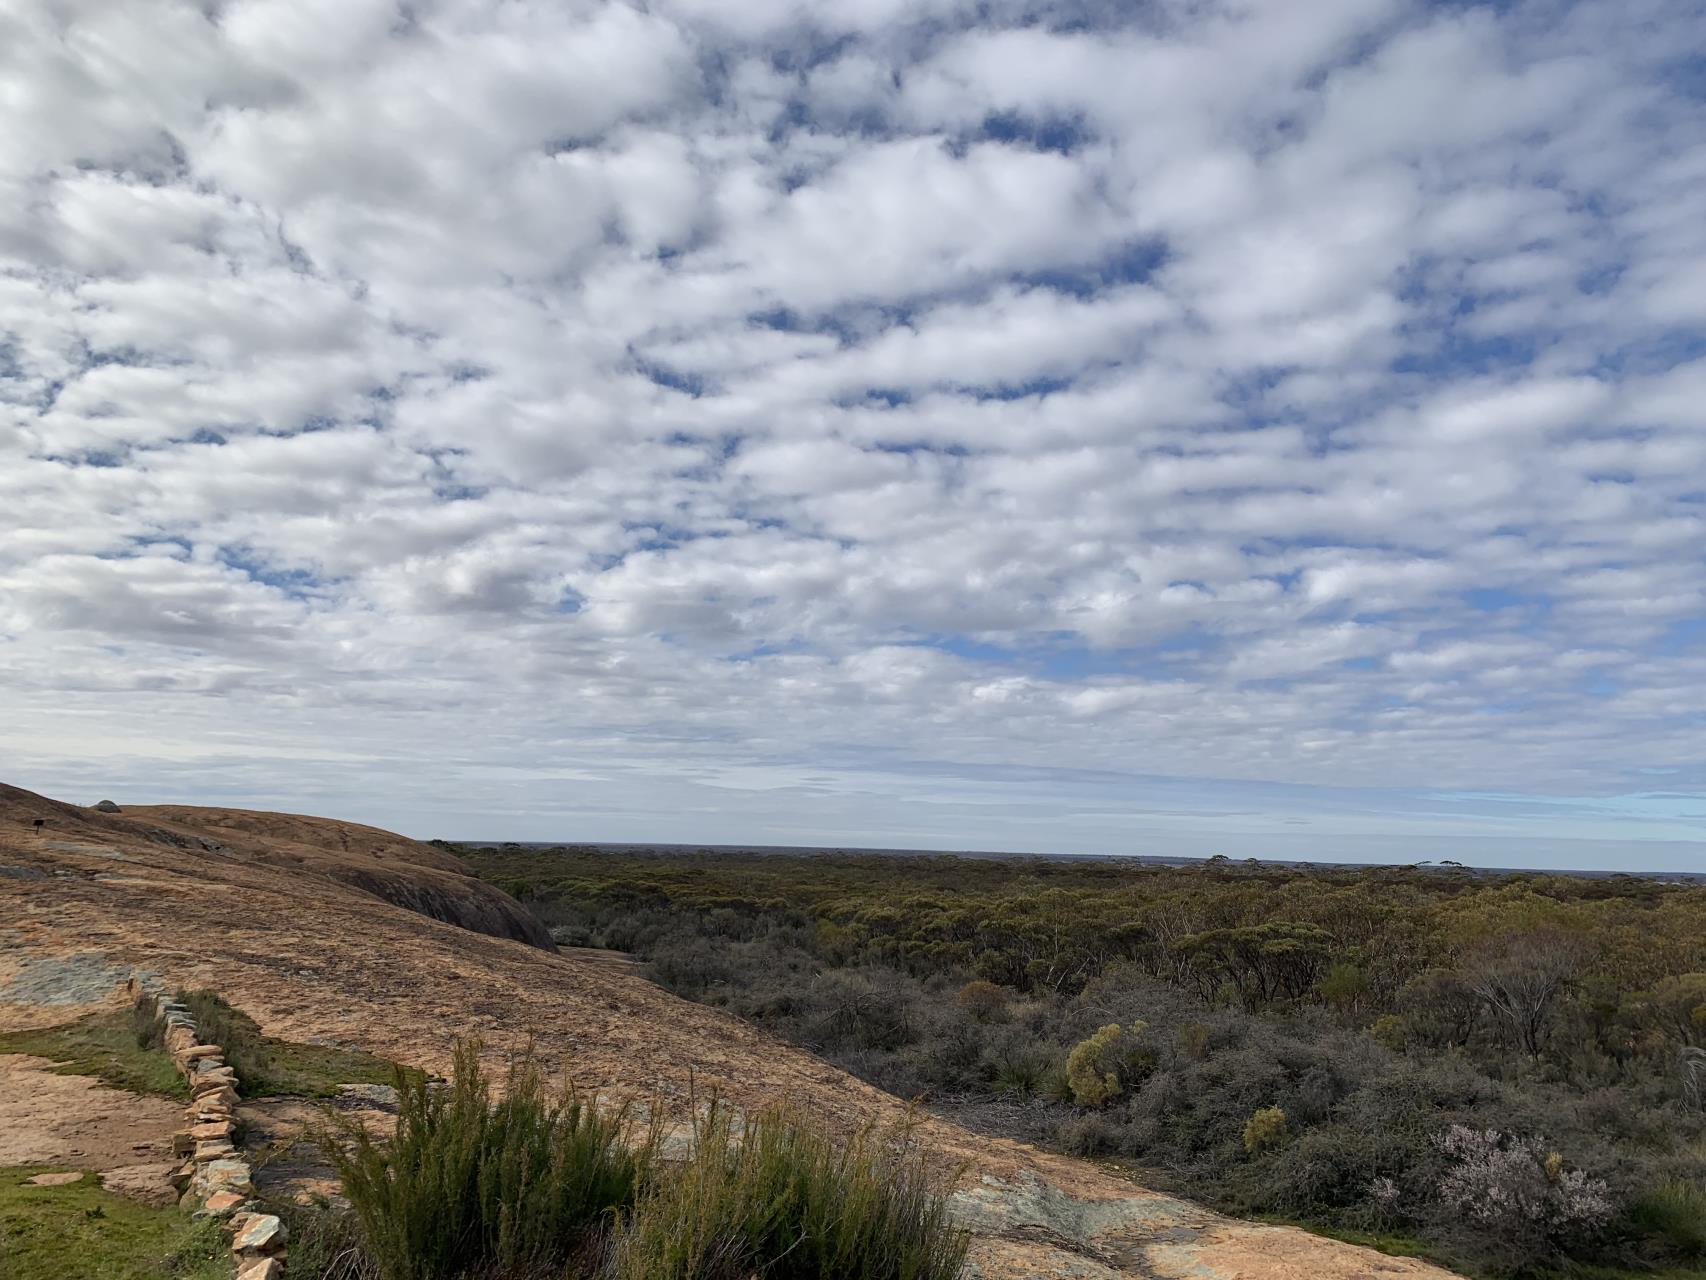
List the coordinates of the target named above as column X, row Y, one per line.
column 1520, row 1188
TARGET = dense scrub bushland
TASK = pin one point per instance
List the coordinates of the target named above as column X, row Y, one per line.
column 1503, row 1071
column 539, row 1183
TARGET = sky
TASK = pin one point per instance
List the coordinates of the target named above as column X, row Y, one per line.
column 1256, row 428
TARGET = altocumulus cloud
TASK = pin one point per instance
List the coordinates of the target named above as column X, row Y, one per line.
column 1158, row 427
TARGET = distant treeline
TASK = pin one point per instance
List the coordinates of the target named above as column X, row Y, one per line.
column 1503, row 1071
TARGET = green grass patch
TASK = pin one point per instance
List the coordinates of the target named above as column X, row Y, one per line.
column 1674, row 1213
column 269, row 1067
column 82, row 1232
column 112, row 1047
column 122, row 1049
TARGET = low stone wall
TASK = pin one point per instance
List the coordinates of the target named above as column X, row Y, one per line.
column 215, row 1180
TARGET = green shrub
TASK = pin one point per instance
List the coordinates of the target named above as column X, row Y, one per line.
column 1094, row 1067
column 466, row 1183
column 1265, row 1130
column 777, row 1196
column 1673, row 1213
column 1390, row 1030
column 1021, row 1075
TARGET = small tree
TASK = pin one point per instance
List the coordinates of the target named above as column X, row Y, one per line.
column 1521, row 975
column 1675, row 1007
column 1343, row 986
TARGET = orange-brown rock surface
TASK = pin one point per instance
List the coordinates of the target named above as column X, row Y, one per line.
column 329, row 931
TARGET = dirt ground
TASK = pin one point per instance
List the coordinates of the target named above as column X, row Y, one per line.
column 78, row 1123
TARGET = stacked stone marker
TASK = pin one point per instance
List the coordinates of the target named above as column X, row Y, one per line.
column 215, row 1179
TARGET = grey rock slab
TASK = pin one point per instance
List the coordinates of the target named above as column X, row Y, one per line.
column 83, row 977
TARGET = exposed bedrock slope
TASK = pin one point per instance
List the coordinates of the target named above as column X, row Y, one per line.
column 312, row 958
column 405, row 872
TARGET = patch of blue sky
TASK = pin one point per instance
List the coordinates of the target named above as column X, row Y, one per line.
column 811, row 48
column 1060, row 134
column 460, row 492
column 722, row 445
column 656, row 537
column 1650, row 353
column 1062, row 657
column 1028, row 389
column 1364, row 663
column 839, row 325
column 1457, row 354
column 753, row 520
column 1249, row 396
column 124, row 355
column 314, row 422
column 296, row 583
column 771, row 649
column 1685, row 636
column 887, row 397
column 920, row 446
column 1133, row 262
column 795, row 114
column 103, row 459
column 49, row 395
column 684, row 381
column 1506, row 600
column 1686, row 72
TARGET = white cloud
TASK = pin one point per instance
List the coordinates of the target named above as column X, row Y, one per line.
column 760, row 408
